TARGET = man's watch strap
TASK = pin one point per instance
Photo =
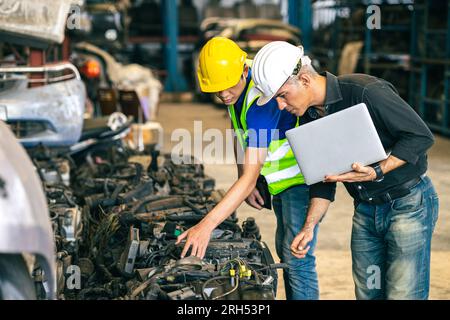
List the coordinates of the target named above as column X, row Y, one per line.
column 379, row 172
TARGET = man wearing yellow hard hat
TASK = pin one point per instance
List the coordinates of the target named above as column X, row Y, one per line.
column 260, row 130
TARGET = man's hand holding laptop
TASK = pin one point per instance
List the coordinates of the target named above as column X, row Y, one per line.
column 360, row 173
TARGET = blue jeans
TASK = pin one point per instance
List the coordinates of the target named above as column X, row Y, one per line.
column 391, row 245
column 291, row 208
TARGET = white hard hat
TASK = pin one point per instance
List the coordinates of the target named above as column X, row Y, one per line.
column 273, row 65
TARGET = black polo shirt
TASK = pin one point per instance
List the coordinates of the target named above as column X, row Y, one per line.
column 401, row 131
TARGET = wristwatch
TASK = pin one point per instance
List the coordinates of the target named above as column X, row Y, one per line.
column 379, row 172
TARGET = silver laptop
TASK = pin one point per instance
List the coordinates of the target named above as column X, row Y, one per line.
column 330, row 145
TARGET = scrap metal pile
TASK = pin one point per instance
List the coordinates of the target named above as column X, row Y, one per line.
column 116, row 221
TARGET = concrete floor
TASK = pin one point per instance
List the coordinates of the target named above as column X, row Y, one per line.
column 333, row 249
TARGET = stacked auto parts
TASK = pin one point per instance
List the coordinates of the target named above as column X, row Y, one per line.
column 116, row 216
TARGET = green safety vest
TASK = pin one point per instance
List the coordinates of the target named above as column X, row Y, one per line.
column 280, row 167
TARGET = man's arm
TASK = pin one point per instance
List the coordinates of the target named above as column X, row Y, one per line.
column 317, row 208
column 254, row 199
column 198, row 236
column 321, row 195
column 398, row 118
column 362, row 173
column 395, row 116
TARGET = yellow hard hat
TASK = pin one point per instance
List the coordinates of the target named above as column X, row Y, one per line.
column 221, row 64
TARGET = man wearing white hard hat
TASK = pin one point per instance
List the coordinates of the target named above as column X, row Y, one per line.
column 396, row 206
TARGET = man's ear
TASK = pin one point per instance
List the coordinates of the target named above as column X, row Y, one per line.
column 245, row 73
column 305, row 79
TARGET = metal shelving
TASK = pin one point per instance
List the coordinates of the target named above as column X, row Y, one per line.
column 329, row 40
column 385, row 59
column 380, row 54
column 411, row 50
column 430, row 75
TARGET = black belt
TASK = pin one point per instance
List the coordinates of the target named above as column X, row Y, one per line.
column 398, row 192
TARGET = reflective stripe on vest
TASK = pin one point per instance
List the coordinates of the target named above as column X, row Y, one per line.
column 279, row 153
column 283, row 174
column 280, row 167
